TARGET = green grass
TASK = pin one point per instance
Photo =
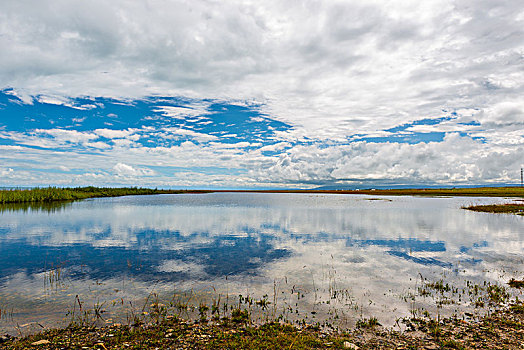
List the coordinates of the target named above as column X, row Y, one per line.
column 501, row 329
column 52, row 194
column 182, row 335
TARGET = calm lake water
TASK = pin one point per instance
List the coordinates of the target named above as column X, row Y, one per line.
column 319, row 257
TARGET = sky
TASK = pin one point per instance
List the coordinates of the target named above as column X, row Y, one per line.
column 261, row 94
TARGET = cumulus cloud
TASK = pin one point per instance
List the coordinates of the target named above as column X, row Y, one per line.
column 114, row 134
column 335, row 71
column 319, row 65
column 456, row 160
column 197, row 111
column 177, row 133
column 122, row 169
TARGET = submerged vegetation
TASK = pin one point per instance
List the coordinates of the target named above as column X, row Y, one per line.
column 486, row 315
column 161, row 326
column 51, row 194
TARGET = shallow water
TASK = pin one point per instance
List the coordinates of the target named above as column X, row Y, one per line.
column 321, row 257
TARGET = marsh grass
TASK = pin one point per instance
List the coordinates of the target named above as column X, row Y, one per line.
column 52, row 194
column 333, row 308
column 214, row 320
column 509, row 208
column 53, row 278
column 432, row 301
column 516, row 283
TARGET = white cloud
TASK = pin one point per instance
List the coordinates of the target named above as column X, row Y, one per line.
column 177, row 133
column 98, row 145
column 6, row 172
column 10, row 148
column 22, row 95
column 328, row 67
column 63, row 136
column 218, row 145
column 195, row 110
column 331, row 69
column 40, row 137
column 456, row 160
column 122, row 169
column 114, row 134
column 279, row 146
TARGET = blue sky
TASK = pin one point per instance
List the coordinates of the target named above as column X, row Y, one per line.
column 261, row 95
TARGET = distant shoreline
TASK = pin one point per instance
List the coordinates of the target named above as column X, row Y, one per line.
column 466, row 192
column 54, row 194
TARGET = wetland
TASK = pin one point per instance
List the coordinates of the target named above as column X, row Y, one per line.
column 338, row 261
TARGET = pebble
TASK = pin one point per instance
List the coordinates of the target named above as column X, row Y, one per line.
column 349, row 345
column 431, row 347
column 41, row 342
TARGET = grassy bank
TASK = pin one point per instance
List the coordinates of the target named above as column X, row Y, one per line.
column 509, row 208
column 500, row 326
column 51, row 194
column 502, row 329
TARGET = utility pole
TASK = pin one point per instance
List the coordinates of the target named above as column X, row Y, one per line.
column 521, row 177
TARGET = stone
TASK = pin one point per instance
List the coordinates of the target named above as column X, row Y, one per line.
column 349, row 345
column 41, row 342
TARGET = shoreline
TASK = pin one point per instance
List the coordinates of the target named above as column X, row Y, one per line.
column 503, row 328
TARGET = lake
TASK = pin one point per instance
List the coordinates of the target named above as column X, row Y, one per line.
column 327, row 258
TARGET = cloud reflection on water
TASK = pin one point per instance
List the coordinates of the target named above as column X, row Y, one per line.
column 374, row 250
